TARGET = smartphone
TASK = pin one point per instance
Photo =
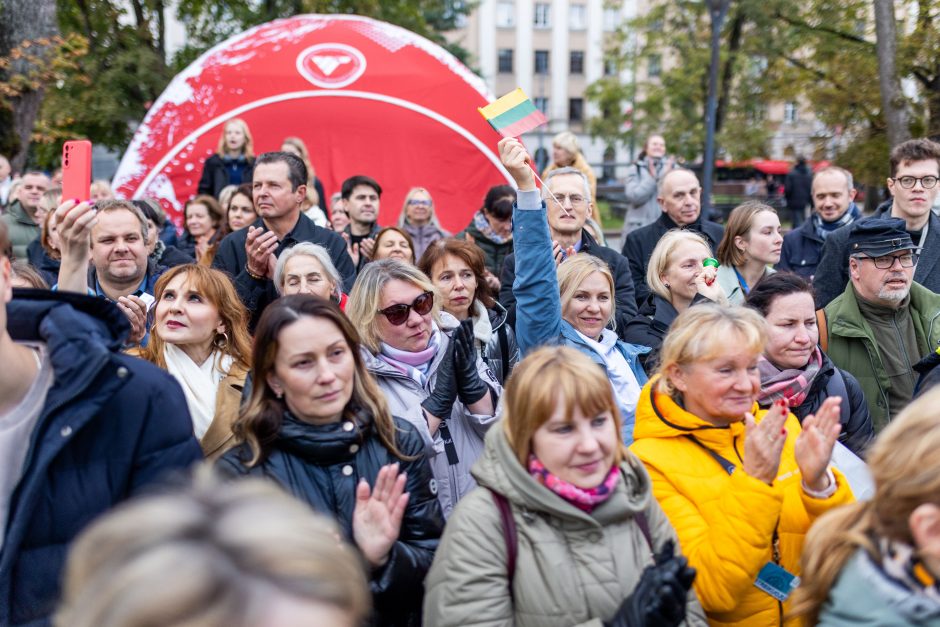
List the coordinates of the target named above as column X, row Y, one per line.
column 76, row 170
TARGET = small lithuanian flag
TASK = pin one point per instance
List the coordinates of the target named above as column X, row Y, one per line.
column 513, row 114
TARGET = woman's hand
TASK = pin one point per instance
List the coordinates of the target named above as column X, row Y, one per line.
column 470, row 387
column 708, row 287
column 813, row 447
column 491, row 279
column 378, row 514
column 440, row 402
column 764, row 442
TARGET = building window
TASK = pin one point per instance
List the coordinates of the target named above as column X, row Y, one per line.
column 577, row 17
column 611, row 19
column 541, row 104
column 654, row 66
column 575, row 109
column 610, row 67
column 576, row 65
column 543, row 15
column 541, row 61
column 790, row 112
column 505, row 14
column 505, row 60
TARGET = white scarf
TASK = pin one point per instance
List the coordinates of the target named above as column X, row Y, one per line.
column 200, row 383
column 482, row 327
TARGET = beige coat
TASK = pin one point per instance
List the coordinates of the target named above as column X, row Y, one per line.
column 572, row 568
column 219, row 437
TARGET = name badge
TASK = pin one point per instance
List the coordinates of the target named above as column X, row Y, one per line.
column 776, row 581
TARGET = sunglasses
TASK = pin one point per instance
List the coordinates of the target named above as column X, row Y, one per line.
column 420, row 203
column 398, row 314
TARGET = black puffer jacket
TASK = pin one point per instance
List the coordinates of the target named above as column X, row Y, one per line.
column 322, row 465
column 857, row 430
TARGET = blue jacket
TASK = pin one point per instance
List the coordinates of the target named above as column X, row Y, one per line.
column 801, row 252
column 538, row 300
column 111, row 425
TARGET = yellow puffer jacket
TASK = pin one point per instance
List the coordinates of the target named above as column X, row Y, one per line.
column 725, row 522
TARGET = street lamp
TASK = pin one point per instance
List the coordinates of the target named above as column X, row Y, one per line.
column 717, row 10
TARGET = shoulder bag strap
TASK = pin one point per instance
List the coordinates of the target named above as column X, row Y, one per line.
column 724, row 463
column 510, row 536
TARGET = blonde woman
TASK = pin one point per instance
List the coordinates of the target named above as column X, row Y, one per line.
column 750, row 246
column 236, row 554
column 677, row 278
column 741, row 485
column 418, row 219
column 877, row 562
column 233, row 161
column 565, row 526
column 428, row 365
column 573, row 305
column 566, row 153
column 306, row 268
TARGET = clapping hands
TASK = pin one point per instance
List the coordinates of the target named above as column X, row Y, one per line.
column 378, row 514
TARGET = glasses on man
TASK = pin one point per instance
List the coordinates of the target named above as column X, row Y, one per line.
column 907, row 260
column 575, row 199
column 908, row 182
column 398, row 314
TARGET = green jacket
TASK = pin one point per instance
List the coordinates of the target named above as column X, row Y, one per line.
column 853, row 346
column 21, row 227
column 572, row 568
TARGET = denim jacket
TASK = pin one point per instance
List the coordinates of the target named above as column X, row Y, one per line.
column 538, row 299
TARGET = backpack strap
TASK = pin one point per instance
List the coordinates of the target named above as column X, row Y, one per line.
column 510, row 536
column 821, row 324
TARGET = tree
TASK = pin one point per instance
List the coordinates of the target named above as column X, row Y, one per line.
column 893, row 103
column 111, row 63
column 27, row 48
column 818, row 52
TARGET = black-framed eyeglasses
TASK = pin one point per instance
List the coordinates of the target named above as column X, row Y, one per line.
column 886, row 262
column 398, row 314
column 908, row 182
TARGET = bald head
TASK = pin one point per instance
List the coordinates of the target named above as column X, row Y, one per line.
column 680, row 196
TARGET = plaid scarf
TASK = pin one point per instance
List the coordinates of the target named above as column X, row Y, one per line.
column 823, row 229
column 791, row 385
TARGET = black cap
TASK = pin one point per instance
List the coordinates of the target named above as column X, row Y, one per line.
column 877, row 237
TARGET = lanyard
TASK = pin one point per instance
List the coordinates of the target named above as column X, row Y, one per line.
column 729, row 467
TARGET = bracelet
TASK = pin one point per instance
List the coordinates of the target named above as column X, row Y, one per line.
column 823, row 494
column 252, row 274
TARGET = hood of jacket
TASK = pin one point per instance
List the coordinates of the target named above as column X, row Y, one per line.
column 498, row 470
column 62, row 318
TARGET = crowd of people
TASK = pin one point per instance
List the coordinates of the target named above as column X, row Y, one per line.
column 280, row 412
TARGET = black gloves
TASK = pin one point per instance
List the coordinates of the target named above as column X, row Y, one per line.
column 441, row 401
column 470, row 387
column 660, row 596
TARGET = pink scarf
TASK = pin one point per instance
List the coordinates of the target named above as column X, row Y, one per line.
column 585, row 499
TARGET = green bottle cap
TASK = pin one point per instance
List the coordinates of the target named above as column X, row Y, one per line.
column 710, row 262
